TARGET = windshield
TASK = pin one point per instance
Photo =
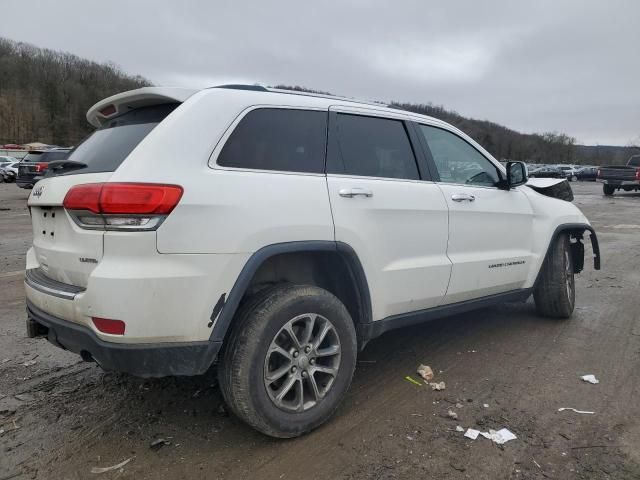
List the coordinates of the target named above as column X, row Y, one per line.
column 106, row 148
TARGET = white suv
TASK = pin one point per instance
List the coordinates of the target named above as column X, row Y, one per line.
column 296, row 228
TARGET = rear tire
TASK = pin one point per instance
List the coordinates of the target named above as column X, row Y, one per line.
column 608, row 190
column 276, row 343
column 555, row 292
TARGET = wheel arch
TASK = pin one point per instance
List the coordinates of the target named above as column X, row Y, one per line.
column 574, row 230
column 225, row 310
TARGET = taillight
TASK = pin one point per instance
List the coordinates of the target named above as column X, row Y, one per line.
column 121, row 206
column 41, row 167
column 638, row 174
column 112, row 327
column 599, row 174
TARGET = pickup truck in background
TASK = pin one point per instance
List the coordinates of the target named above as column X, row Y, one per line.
column 616, row 177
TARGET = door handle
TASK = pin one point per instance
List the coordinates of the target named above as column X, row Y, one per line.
column 462, row 197
column 355, row 192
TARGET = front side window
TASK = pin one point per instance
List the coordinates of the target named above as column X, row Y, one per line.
column 278, row 139
column 457, row 161
column 372, row 147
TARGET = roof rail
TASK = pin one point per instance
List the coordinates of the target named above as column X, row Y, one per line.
column 238, row 86
column 260, row 88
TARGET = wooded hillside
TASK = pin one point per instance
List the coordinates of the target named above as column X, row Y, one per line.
column 44, row 94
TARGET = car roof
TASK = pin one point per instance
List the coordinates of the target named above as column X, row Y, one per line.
column 147, row 96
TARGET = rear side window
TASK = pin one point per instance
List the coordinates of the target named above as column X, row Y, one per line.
column 106, row 148
column 372, row 147
column 278, row 139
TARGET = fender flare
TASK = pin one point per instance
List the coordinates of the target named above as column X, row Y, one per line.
column 573, row 228
column 225, row 310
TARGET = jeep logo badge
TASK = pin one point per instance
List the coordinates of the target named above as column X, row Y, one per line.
column 37, row 192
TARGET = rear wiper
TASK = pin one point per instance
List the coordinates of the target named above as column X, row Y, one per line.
column 57, row 166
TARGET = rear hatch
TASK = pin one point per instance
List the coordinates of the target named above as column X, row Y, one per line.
column 66, row 251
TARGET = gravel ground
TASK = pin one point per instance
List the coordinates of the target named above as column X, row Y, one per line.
column 503, row 367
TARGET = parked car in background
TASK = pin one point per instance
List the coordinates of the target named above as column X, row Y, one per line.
column 587, row 174
column 297, row 228
column 616, row 177
column 569, row 172
column 33, row 167
column 548, row 171
column 5, row 159
column 9, row 172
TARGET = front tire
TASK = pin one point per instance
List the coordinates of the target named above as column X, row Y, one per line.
column 289, row 360
column 608, row 190
column 555, row 292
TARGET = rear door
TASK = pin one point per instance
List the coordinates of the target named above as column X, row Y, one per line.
column 490, row 229
column 387, row 210
column 64, row 251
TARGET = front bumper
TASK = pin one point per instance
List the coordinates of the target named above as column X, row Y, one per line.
column 142, row 360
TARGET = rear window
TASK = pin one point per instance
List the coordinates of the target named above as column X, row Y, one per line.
column 278, row 139
column 106, row 148
column 634, row 162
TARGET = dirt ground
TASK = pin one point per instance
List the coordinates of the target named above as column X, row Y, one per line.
column 503, row 367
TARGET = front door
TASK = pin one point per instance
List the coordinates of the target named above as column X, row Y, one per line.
column 490, row 229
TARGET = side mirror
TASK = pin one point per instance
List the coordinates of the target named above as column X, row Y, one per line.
column 516, row 174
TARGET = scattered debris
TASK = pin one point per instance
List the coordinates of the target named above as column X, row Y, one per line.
column 590, row 378
column 459, row 429
column 537, row 464
column 459, row 405
column 457, row 466
column 158, row 443
column 30, row 363
column 500, row 436
column 472, row 433
column 6, row 360
column 437, row 386
column 412, row 380
column 485, row 405
column 577, row 411
column 222, row 410
column 451, row 414
column 425, row 372
column 110, row 469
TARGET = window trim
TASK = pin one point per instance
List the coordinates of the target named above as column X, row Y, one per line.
column 213, row 164
column 432, row 164
column 418, row 154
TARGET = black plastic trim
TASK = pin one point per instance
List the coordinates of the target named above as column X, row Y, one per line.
column 142, row 360
column 258, row 258
column 372, row 330
column 574, row 228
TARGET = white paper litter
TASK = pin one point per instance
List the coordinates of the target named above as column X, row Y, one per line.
column 437, row 386
column 577, row 411
column 590, row 378
column 109, row 469
column 472, row 434
column 459, row 429
column 500, row 437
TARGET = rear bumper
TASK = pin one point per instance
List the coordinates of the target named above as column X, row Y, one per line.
column 619, row 183
column 142, row 360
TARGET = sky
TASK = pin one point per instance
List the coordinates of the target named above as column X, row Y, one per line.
column 570, row 66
